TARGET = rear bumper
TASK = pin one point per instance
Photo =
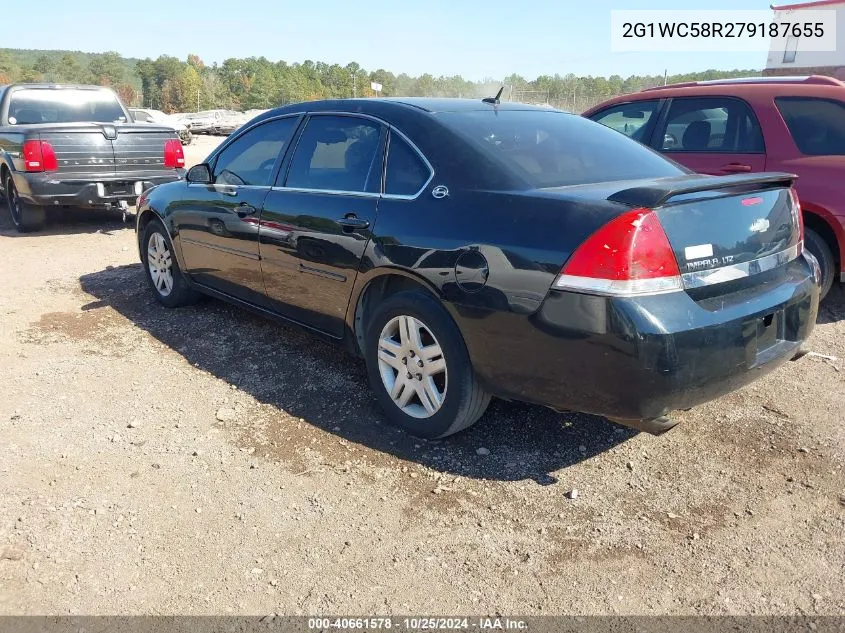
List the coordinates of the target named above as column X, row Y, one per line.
column 77, row 190
column 641, row 358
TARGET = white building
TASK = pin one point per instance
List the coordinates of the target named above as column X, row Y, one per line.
column 787, row 58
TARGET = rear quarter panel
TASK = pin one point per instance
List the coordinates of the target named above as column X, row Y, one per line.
column 490, row 256
column 11, row 142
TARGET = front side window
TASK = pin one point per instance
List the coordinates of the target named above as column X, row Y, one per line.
column 553, row 149
column 249, row 159
column 632, row 119
column 817, row 125
column 66, row 105
column 407, row 173
column 722, row 125
column 337, row 153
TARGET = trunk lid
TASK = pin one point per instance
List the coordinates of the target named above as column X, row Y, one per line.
column 709, row 233
column 723, row 228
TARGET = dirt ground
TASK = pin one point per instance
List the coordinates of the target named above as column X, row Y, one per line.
column 204, row 460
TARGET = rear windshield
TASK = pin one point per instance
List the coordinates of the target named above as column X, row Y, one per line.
column 553, row 149
column 67, row 105
column 817, row 125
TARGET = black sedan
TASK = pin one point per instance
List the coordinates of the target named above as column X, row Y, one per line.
column 469, row 249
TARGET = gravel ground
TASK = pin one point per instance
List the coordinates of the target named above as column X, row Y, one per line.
column 204, row 460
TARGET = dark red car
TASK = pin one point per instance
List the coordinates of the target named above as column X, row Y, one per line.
column 785, row 124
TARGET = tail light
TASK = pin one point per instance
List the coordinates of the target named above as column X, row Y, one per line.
column 798, row 216
column 629, row 255
column 39, row 156
column 173, row 155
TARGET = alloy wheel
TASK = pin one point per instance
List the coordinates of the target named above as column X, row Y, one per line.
column 412, row 366
column 160, row 264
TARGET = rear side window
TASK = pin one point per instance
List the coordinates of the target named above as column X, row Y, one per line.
column 817, row 125
column 250, row 158
column 66, row 105
column 721, row 125
column 553, row 149
column 632, row 119
column 407, row 173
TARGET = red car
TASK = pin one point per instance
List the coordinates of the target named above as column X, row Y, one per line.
column 789, row 124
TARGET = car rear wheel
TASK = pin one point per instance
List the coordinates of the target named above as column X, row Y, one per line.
column 419, row 367
column 161, row 268
column 819, row 248
column 26, row 217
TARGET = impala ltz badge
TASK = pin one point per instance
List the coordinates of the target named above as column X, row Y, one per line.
column 760, row 225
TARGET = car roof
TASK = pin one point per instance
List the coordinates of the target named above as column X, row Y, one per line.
column 399, row 106
column 743, row 87
column 448, row 104
column 775, row 81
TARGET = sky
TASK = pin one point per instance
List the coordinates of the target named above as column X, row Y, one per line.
column 473, row 38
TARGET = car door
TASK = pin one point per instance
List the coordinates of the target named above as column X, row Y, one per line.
column 712, row 135
column 633, row 119
column 218, row 222
column 316, row 223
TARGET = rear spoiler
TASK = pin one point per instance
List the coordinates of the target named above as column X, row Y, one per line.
column 654, row 195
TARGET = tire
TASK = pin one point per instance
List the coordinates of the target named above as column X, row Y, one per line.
column 819, row 248
column 169, row 285
column 26, row 217
column 459, row 400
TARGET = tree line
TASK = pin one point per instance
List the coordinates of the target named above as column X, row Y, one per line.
column 174, row 85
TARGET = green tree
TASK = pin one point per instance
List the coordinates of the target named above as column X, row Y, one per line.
column 48, row 67
column 9, row 70
column 255, row 82
column 70, row 70
column 263, row 90
column 107, row 69
column 191, row 89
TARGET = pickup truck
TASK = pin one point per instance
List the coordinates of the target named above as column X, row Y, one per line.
column 77, row 147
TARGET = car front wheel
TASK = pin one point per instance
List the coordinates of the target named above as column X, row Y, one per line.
column 161, row 268
column 419, row 367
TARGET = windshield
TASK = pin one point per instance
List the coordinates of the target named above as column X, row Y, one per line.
column 553, row 149
column 68, row 105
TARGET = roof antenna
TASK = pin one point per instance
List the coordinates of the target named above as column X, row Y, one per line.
column 494, row 100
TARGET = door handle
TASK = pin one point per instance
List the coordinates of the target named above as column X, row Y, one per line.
column 350, row 222
column 735, row 168
column 244, row 210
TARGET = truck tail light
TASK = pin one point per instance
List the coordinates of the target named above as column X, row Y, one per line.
column 174, row 157
column 630, row 255
column 39, row 156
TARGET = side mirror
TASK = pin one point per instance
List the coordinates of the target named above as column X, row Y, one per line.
column 200, row 174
